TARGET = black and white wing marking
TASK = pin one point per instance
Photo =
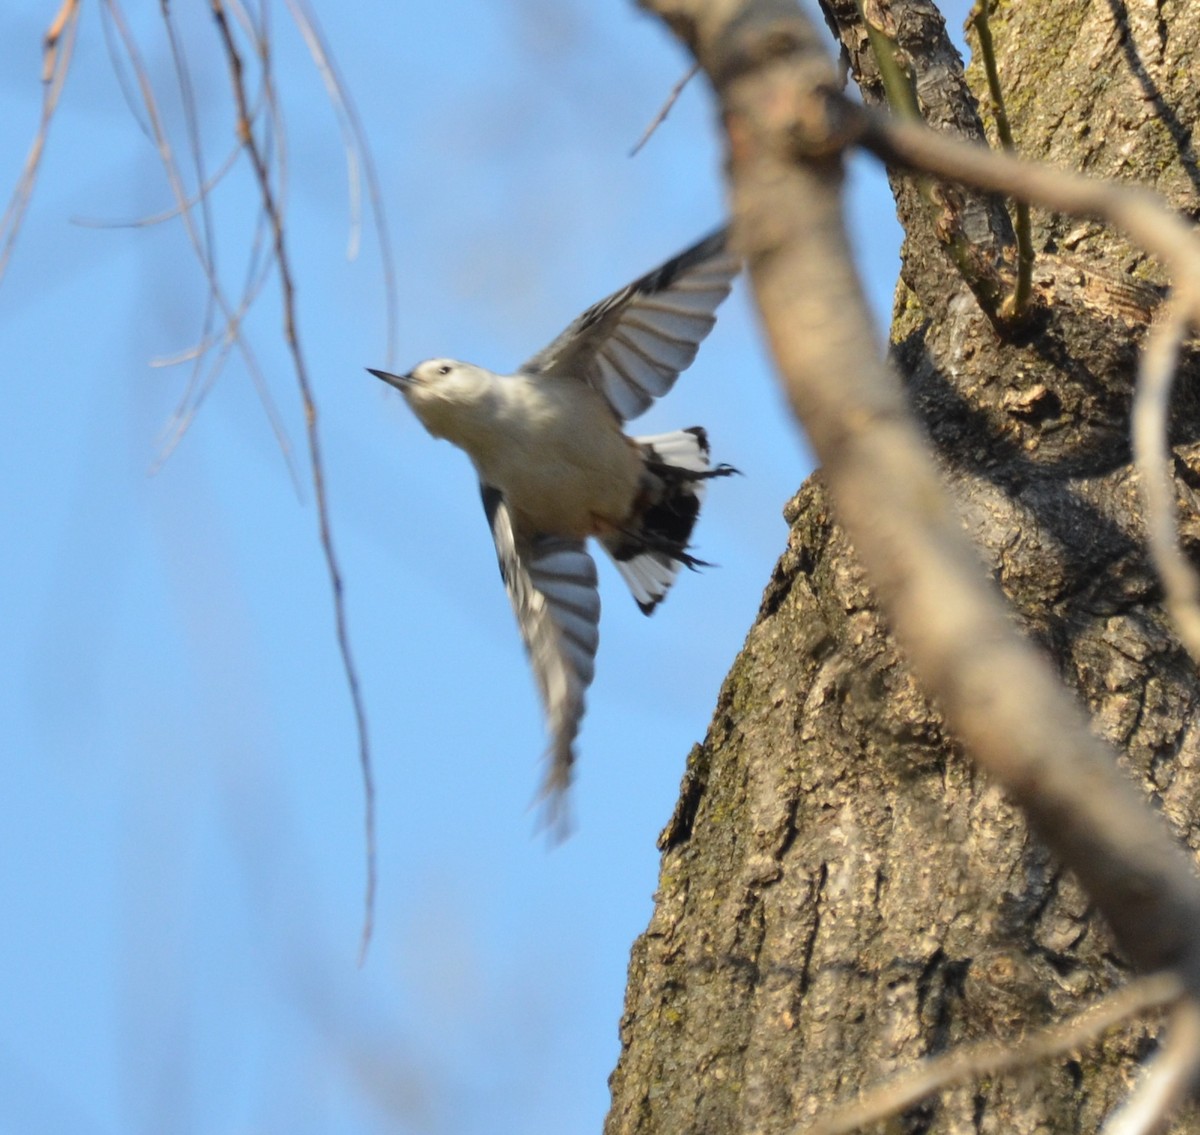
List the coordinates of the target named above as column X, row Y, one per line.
column 551, row 582
column 633, row 345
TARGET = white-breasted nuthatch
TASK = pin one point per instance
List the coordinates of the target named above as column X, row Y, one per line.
column 555, row 468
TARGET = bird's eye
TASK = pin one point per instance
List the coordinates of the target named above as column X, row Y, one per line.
column 444, row 369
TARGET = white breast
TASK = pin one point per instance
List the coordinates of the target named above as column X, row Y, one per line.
column 559, row 457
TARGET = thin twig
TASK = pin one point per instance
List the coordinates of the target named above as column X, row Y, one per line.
column 1140, row 213
column 175, row 181
column 57, row 46
column 168, row 214
column 356, row 144
column 304, row 23
column 252, row 31
column 993, row 1058
column 203, row 201
column 901, row 94
column 897, row 80
column 1155, row 467
column 666, row 109
column 127, row 86
column 316, row 467
column 258, row 271
column 1015, row 305
column 1167, row 1080
column 199, row 387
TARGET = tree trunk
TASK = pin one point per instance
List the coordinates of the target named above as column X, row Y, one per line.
column 841, row 892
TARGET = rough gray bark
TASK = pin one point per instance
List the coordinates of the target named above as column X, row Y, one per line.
column 841, row 893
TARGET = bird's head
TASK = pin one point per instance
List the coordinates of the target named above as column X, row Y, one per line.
column 447, row 396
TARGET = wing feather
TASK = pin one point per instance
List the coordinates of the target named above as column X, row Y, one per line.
column 551, row 583
column 622, row 388
column 634, row 344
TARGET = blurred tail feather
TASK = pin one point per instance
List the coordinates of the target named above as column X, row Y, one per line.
column 651, row 550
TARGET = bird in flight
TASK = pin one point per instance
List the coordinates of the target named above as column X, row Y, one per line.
column 555, row 469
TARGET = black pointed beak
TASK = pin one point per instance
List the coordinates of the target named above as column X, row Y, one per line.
column 400, row 381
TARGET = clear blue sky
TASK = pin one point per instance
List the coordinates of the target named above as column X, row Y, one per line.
column 181, row 866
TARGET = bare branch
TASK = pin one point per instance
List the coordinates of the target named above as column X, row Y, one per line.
column 1015, row 305
column 993, row 1058
column 1168, row 1079
column 666, row 109
column 282, row 259
column 1155, row 467
column 58, row 44
column 897, row 79
column 975, row 229
column 1141, row 214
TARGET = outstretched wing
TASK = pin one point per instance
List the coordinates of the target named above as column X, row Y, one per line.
column 633, row 345
column 551, row 582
